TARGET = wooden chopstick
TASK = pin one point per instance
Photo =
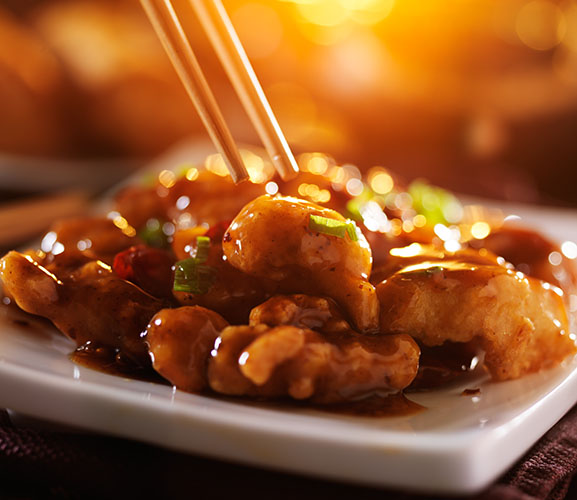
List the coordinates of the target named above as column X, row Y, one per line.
column 223, row 37
column 170, row 32
column 22, row 220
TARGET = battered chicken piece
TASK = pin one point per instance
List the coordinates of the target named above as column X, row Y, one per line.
column 81, row 239
column 272, row 238
column 300, row 363
column 209, row 198
column 303, row 311
column 520, row 322
column 91, row 305
column 180, row 340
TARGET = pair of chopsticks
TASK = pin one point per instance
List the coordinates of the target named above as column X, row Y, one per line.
column 221, row 33
column 22, row 220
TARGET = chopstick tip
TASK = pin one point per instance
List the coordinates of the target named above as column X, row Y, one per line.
column 286, row 166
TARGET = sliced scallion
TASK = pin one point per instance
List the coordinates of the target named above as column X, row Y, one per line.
column 352, row 230
column 192, row 277
column 202, row 248
column 333, row 227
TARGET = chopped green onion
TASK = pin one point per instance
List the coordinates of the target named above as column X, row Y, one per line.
column 436, row 204
column 352, row 230
column 202, row 248
column 333, row 227
column 328, row 226
column 192, row 277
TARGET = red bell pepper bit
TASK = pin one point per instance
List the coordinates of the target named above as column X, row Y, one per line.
column 147, row 267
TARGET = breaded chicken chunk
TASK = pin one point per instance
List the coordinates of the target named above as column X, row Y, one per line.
column 434, row 296
column 180, row 340
column 303, row 311
column 91, row 305
column 276, row 238
column 279, row 361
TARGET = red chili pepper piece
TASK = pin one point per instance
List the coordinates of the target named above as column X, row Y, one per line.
column 149, row 268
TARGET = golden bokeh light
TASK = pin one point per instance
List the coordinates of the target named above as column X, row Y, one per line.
column 380, row 180
column 541, row 25
column 215, row 163
column 408, row 226
column 323, row 12
column 419, row 220
column 314, row 193
column 411, row 250
column 480, row 230
column 167, row 178
column 192, row 174
column 259, row 170
column 569, row 249
column 331, row 13
column 318, row 165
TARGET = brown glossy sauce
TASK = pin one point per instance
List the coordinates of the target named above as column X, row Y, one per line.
column 107, row 361
column 443, row 364
column 376, row 406
column 394, row 405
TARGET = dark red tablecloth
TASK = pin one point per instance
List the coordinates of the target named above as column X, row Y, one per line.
column 37, row 462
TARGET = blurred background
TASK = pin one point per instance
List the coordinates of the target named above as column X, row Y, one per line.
column 479, row 96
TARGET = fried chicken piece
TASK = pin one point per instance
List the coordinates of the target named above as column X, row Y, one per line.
column 282, row 361
column 77, row 240
column 90, row 305
column 180, row 341
column 303, row 311
column 272, row 238
column 208, row 199
column 520, row 322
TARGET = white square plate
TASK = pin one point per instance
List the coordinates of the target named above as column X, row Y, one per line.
column 459, row 444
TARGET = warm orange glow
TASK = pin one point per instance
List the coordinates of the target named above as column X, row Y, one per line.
column 541, row 25
column 323, row 12
column 330, row 13
column 259, row 171
column 264, row 41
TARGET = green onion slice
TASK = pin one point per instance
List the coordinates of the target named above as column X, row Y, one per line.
column 202, row 248
column 333, row 227
column 352, row 230
column 192, row 277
